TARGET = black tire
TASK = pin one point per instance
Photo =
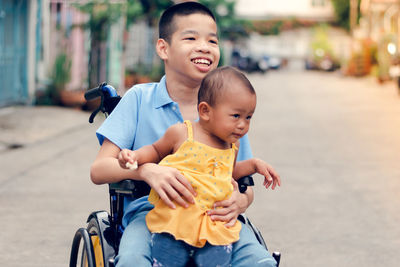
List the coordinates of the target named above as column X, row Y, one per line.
column 84, row 252
column 95, row 238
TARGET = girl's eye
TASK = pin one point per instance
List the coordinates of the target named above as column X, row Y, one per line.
column 236, row 115
column 190, row 38
column 248, row 117
column 213, row 41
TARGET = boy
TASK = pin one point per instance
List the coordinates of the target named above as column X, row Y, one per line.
column 188, row 45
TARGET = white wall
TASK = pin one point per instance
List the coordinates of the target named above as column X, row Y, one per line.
column 285, row 8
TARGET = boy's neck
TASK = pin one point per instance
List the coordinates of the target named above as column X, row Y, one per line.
column 185, row 94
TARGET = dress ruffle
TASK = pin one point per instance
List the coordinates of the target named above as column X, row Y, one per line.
column 195, row 229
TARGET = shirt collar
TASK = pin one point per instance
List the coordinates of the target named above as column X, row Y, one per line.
column 162, row 97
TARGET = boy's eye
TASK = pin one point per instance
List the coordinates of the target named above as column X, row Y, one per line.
column 214, row 41
column 236, row 115
column 248, row 117
column 189, row 38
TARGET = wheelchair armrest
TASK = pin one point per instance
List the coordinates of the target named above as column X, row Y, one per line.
column 244, row 182
column 131, row 188
column 138, row 189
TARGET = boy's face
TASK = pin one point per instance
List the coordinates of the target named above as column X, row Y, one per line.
column 193, row 50
column 232, row 112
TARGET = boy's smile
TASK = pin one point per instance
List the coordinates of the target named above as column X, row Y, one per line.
column 193, row 50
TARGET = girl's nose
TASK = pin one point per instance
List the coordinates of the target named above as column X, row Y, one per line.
column 241, row 124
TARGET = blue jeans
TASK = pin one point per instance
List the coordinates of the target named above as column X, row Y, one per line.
column 168, row 252
column 135, row 246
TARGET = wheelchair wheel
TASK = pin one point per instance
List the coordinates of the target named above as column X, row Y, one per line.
column 85, row 252
column 96, row 249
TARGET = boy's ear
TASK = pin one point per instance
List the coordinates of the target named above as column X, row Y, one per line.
column 161, row 48
column 204, row 111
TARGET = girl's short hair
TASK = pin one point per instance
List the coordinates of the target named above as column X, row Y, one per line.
column 166, row 25
column 217, row 81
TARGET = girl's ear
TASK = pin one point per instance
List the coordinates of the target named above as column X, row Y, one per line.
column 204, row 111
column 161, row 48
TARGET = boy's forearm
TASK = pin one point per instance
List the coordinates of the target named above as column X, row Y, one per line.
column 107, row 170
column 250, row 196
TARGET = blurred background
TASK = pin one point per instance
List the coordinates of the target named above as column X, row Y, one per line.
column 326, row 74
column 52, row 50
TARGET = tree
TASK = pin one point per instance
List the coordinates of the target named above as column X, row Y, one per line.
column 342, row 12
column 230, row 27
column 102, row 14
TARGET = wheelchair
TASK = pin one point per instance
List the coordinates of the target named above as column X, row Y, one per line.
column 98, row 243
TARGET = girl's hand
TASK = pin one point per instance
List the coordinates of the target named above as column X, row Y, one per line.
column 228, row 210
column 127, row 157
column 270, row 175
column 169, row 184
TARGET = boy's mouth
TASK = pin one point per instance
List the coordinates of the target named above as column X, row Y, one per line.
column 202, row 61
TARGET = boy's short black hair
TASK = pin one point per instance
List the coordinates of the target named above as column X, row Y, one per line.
column 218, row 80
column 166, row 25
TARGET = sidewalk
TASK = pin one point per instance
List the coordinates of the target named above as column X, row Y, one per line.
column 25, row 125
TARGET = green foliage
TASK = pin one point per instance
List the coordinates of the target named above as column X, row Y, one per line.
column 321, row 45
column 152, row 9
column 342, row 12
column 102, row 14
column 61, row 73
column 229, row 26
column 59, row 77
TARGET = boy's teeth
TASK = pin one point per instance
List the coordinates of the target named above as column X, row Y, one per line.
column 202, row 61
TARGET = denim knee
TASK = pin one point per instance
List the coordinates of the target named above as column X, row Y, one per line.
column 249, row 252
column 135, row 244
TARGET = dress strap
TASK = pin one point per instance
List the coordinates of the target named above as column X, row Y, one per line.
column 189, row 129
column 234, row 147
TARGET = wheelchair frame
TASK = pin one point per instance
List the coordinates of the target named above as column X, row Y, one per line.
column 102, row 235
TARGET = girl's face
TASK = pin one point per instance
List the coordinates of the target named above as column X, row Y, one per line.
column 230, row 117
column 193, row 50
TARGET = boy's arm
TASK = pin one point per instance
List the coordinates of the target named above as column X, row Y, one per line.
column 168, row 182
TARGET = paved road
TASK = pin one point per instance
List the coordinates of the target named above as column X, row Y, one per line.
column 336, row 143
column 334, row 140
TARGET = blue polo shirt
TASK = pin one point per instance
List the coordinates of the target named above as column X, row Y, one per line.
column 142, row 116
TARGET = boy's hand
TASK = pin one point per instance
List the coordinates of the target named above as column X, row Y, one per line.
column 169, row 183
column 228, row 210
column 127, row 159
column 270, row 175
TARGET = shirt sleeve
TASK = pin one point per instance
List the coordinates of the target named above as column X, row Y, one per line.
column 120, row 125
column 244, row 149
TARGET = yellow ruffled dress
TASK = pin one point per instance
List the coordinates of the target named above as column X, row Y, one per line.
column 209, row 171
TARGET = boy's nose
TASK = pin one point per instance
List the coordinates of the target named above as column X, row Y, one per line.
column 203, row 46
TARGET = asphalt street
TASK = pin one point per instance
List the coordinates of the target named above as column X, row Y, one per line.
column 334, row 140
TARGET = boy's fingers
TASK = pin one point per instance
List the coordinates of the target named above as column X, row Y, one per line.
column 231, row 223
column 171, row 192
column 219, row 212
column 223, row 203
column 221, row 218
column 187, row 189
column 166, row 199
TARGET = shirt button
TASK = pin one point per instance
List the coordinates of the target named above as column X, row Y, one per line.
column 173, row 108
